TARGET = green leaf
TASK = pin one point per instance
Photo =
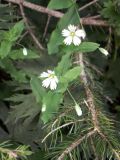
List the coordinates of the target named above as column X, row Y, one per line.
column 51, row 100
column 71, row 75
column 64, row 64
column 83, row 47
column 38, row 91
column 18, row 75
column 9, row 38
column 18, row 54
column 56, row 38
column 14, row 33
column 5, row 48
column 59, row 4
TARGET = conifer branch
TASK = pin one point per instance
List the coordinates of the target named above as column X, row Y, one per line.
column 75, row 144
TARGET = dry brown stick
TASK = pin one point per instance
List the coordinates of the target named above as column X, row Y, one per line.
column 75, row 144
column 29, row 29
column 46, row 27
column 38, row 8
column 87, row 5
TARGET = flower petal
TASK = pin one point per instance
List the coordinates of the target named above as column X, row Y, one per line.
column 56, row 79
column 72, row 28
column 76, row 41
column 46, row 82
column 68, row 40
column 44, row 75
column 50, row 72
column 65, row 33
column 80, row 33
column 53, row 84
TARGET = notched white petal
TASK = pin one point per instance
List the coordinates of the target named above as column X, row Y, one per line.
column 46, row 82
column 72, row 28
column 80, row 33
column 76, row 41
column 68, row 40
column 65, row 33
column 50, row 72
column 44, row 75
column 53, row 85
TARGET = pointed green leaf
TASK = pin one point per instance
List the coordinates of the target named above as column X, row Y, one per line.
column 71, row 75
column 83, row 47
column 51, row 100
column 64, row 64
column 5, row 48
column 18, row 54
column 14, row 33
column 56, row 38
column 38, row 91
column 59, row 4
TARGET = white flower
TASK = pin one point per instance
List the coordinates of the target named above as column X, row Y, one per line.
column 51, row 79
column 104, row 51
column 43, row 108
column 25, row 52
column 78, row 109
column 73, row 35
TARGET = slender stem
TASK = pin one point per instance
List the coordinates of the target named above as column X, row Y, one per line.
column 72, row 97
column 87, row 5
column 28, row 27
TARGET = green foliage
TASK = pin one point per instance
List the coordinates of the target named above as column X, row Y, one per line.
column 56, row 4
column 111, row 12
column 46, row 119
column 7, row 17
column 9, row 39
column 37, row 89
column 7, row 153
column 84, row 47
column 56, row 39
column 64, row 64
column 71, row 75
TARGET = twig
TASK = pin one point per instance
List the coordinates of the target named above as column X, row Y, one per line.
column 95, row 17
column 22, row 37
column 87, row 5
column 29, row 29
column 46, row 27
column 38, row 8
column 75, row 144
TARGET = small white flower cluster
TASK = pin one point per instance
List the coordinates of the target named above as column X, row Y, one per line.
column 73, row 35
column 50, row 80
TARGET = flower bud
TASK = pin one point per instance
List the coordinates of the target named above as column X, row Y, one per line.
column 78, row 109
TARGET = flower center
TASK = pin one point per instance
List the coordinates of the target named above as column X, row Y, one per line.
column 72, row 34
column 51, row 76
